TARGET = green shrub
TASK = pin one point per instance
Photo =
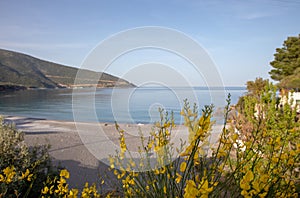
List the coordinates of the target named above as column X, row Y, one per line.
column 18, row 162
column 257, row 154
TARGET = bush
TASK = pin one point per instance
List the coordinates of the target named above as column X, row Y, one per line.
column 257, row 155
column 24, row 169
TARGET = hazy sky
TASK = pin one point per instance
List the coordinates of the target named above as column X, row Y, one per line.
column 240, row 36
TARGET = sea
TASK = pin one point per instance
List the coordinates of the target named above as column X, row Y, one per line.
column 123, row 105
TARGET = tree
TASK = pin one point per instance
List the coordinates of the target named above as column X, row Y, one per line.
column 256, row 88
column 292, row 81
column 286, row 64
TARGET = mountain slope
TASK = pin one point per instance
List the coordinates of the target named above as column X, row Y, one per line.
column 23, row 70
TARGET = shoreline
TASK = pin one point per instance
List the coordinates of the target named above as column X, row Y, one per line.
column 74, row 151
column 66, row 145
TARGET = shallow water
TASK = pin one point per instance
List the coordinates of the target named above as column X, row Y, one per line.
column 124, row 105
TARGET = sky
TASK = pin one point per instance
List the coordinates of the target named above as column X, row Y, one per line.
column 239, row 36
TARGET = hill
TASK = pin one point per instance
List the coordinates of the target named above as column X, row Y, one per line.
column 18, row 71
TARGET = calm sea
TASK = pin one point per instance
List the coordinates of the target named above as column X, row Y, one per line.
column 124, row 105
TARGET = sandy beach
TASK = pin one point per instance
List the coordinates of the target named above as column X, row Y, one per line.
column 82, row 147
column 67, row 148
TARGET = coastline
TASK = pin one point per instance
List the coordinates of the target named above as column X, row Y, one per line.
column 6, row 88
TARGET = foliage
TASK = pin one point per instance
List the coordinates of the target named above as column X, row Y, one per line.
column 267, row 160
column 27, row 172
column 193, row 174
column 53, row 187
column 257, row 155
column 286, row 63
column 291, row 81
column 256, row 88
column 18, row 160
column 58, row 187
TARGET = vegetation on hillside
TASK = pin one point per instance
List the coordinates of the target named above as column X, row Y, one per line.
column 22, row 70
column 286, row 64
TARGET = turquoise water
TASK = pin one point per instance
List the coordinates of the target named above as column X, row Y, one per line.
column 124, row 105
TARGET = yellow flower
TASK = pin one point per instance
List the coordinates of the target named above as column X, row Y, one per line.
column 275, row 159
column 168, row 133
column 178, row 178
column 135, row 174
column 262, row 195
column 190, row 190
column 45, row 190
column 221, row 153
column 29, row 178
column 61, row 189
column 244, row 185
column 27, row 175
column 2, row 179
column 131, row 181
column 165, row 189
column 121, row 175
column 8, row 170
column 156, row 172
column 182, row 166
column 249, row 176
column 163, row 170
column 290, row 161
column 123, row 146
column 51, row 190
column 62, row 181
column 64, row 173
column 116, row 172
column 264, row 178
column 9, row 173
column 187, row 151
column 245, row 194
column 169, row 176
column 150, row 144
column 235, row 137
column 284, row 156
column 204, row 189
column 73, row 193
column 157, row 148
column 111, row 160
column 24, row 175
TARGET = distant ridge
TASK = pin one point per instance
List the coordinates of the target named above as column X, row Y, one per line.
column 21, row 71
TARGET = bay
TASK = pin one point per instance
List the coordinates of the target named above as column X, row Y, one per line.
column 124, row 105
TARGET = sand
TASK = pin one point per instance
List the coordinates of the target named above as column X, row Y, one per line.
column 83, row 148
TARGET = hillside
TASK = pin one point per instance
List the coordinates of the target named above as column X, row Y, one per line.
column 21, row 70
